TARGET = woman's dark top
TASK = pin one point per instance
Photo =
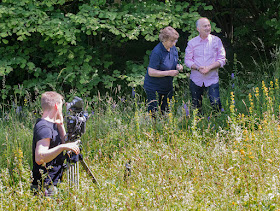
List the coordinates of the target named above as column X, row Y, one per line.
column 161, row 59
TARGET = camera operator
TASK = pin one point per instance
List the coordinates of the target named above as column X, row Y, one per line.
column 49, row 144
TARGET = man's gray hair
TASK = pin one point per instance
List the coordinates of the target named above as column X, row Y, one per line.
column 197, row 22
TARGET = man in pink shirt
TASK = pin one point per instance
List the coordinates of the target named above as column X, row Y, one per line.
column 204, row 55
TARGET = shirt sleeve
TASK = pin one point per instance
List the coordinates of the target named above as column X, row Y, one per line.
column 154, row 61
column 221, row 54
column 42, row 132
column 189, row 55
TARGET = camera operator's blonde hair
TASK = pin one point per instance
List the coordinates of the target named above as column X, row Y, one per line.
column 49, row 99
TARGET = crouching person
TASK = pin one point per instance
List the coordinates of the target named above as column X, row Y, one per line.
column 49, row 144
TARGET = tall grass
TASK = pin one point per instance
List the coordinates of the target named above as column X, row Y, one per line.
column 179, row 161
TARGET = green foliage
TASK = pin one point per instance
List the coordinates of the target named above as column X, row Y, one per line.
column 71, row 45
column 242, row 25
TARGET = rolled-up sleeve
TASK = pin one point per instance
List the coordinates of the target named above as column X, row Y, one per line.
column 221, row 54
column 189, row 61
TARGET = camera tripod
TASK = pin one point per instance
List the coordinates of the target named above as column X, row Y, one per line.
column 72, row 169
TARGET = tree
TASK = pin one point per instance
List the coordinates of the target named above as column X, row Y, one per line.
column 69, row 44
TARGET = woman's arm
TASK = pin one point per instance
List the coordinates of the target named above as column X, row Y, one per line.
column 158, row 73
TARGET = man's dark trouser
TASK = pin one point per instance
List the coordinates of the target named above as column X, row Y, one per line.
column 213, row 93
column 155, row 98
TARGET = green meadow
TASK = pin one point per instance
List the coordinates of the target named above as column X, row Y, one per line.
column 179, row 161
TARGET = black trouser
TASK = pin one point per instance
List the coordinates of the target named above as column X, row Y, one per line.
column 156, row 98
column 213, row 93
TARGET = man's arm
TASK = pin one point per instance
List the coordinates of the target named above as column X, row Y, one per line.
column 221, row 53
column 43, row 154
column 206, row 69
column 189, row 61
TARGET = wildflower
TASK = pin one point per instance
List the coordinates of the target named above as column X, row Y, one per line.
column 265, row 90
column 251, row 108
column 242, row 152
column 257, row 94
column 20, row 155
column 232, row 106
column 18, row 109
column 186, row 109
column 232, row 77
column 133, row 93
column 276, row 84
column 269, row 160
column 271, row 84
column 114, row 105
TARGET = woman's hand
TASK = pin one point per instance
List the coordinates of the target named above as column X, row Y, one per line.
column 172, row 72
column 179, row 67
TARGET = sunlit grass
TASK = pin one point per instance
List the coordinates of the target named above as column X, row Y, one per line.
column 180, row 161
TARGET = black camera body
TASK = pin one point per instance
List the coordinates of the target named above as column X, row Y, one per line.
column 76, row 119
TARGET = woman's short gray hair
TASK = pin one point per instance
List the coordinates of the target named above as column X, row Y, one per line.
column 168, row 33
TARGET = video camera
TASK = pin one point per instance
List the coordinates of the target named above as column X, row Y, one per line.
column 76, row 119
column 76, row 126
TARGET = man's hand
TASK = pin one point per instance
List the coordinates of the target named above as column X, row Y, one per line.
column 204, row 69
column 59, row 118
column 73, row 146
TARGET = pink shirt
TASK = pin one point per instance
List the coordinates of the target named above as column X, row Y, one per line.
column 203, row 53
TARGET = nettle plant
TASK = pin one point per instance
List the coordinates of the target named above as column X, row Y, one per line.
column 74, row 45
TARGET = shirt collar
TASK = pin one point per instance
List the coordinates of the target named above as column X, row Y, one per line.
column 206, row 39
column 163, row 48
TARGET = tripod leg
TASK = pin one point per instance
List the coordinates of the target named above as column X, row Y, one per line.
column 73, row 174
column 77, row 174
column 87, row 169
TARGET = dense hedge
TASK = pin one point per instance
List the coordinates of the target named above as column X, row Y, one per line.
column 75, row 45
column 90, row 46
